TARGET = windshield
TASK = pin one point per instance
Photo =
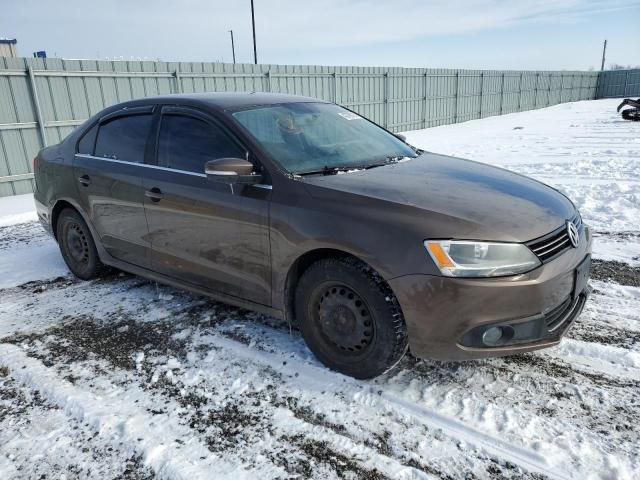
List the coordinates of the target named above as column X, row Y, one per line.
column 316, row 137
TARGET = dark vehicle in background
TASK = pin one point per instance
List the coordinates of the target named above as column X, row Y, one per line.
column 306, row 211
column 632, row 113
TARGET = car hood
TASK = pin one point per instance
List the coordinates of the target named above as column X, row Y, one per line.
column 456, row 198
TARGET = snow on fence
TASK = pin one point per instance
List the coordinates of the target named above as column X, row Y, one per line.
column 43, row 100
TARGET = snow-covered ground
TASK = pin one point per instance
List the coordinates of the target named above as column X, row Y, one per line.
column 119, row 377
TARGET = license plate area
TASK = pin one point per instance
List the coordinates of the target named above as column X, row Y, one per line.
column 581, row 276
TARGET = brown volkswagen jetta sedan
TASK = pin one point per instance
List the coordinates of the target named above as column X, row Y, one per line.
column 304, row 210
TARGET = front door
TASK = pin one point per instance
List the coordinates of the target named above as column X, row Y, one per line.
column 108, row 169
column 202, row 232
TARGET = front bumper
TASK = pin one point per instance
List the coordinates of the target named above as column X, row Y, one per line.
column 443, row 314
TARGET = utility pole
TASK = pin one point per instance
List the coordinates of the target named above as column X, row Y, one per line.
column 233, row 48
column 604, row 50
column 253, row 24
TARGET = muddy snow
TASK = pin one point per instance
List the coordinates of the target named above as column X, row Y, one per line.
column 123, row 378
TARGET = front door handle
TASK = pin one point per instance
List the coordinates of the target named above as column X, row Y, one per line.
column 85, row 180
column 155, row 194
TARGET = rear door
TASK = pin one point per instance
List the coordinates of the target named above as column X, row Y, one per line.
column 203, row 232
column 108, row 170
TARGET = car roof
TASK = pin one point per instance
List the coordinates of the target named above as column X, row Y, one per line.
column 223, row 100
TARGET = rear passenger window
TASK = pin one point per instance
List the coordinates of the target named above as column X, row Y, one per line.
column 187, row 143
column 124, row 138
column 86, row 143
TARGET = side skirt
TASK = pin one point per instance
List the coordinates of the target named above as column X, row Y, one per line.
column 158, row 277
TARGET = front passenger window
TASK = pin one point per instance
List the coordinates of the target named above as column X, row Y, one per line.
column 187, row 143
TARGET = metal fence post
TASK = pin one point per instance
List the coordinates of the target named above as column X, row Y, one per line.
column 535, row 98
column 481, row 92
column 626, row 82
column 268, row 75
column 455, row 112
column 561, row 86
column 426, row 76
column 502, row 94
column 335, row 87
column 36, row 102
column 176, row 74
column 386, row 100
column 520, row 93
column 549, row 92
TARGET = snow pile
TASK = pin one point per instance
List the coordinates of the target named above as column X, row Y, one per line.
column 17, row 209
column 33, row 254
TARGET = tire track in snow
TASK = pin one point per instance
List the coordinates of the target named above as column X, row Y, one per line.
column 159, row 445
column 307, row 373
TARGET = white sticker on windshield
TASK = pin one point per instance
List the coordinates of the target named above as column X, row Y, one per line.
column 349, row 115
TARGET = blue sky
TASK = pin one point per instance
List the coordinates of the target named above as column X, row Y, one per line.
column 500, row 34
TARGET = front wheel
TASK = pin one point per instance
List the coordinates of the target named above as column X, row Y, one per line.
column 77, row 246
column 350, row 318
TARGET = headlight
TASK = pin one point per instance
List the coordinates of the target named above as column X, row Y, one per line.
column 463, row 258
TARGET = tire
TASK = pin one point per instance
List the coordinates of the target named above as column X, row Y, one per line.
column 77, row 246
column 349, row 318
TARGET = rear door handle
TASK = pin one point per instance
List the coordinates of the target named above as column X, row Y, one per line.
column 84, row 180
column 155, row 194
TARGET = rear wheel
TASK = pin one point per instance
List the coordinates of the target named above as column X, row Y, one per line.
column 77, row 246
column 349, row 318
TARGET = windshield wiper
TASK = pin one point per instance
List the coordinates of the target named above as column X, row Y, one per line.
column 324, row 171
column 346, row 168
column 391, row 159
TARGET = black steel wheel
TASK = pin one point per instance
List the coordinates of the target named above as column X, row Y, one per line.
column 344, row 318
column 77, row 246
column 350, row 318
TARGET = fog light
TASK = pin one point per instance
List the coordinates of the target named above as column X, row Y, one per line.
column 492, row 336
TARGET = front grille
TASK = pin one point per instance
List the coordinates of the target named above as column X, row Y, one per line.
column 564, row 312
column 555, row 243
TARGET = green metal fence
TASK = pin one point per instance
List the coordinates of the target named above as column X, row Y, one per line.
column 619, row 83
column 43, row 100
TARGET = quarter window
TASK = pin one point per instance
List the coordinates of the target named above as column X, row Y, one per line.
column 187, row 143
column 87, row 142
column 124, row 138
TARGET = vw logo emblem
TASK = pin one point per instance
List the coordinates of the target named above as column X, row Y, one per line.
column 574, row 236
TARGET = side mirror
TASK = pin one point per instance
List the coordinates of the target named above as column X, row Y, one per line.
column 231, row 170
column 401, row 137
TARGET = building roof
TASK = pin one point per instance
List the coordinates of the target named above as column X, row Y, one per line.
column 11, row 41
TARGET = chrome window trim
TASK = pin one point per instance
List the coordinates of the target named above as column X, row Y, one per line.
column 156, row 167
column 146, row 165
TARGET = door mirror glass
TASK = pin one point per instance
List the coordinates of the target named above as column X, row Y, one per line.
column 231, row 170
